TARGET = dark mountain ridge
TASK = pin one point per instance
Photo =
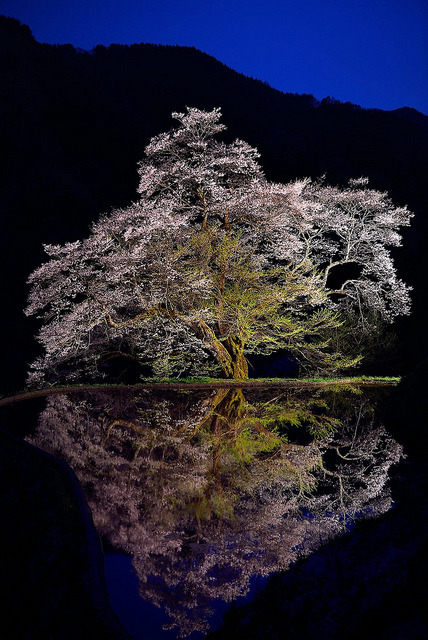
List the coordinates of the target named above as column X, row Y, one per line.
column 74, row 124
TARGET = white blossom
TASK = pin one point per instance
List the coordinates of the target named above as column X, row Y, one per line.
column 214, row 262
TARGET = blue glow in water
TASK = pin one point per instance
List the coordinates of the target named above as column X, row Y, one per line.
column 143, row 620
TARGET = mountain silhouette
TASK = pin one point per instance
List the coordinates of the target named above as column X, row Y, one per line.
column 74, row 124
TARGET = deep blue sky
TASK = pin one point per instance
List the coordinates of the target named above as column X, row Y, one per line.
column 371, row 52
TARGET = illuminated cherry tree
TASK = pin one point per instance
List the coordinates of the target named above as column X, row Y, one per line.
column 213, row 262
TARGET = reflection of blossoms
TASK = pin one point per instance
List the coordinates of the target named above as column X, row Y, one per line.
column 205, row 494
column 360, row 455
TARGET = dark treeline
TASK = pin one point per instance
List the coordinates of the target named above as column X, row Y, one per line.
column 74, row 124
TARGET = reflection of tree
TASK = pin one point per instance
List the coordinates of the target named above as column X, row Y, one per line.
column 206, row 491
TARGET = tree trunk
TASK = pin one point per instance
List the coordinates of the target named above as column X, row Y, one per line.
column 238, row 366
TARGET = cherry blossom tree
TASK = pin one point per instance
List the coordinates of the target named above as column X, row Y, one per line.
column 213, row 262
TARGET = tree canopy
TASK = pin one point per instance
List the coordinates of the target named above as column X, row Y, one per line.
column 213, row 262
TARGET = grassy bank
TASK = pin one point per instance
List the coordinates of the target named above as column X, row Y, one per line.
column 202, row 383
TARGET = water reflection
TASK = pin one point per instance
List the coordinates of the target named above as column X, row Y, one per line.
column 208, row 489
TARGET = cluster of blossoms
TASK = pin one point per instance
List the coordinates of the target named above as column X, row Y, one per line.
column 214, row 262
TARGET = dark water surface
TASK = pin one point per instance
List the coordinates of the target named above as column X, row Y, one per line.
column 203, row 498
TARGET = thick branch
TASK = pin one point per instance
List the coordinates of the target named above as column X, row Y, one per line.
column 336, row 263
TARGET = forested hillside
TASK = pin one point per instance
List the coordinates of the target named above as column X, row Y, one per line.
column 74, row 124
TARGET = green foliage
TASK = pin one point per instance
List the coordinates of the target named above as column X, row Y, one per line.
column 368, row 336
column 250, row 443
column 309, row 415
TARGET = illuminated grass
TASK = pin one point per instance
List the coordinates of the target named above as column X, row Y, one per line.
column 356, row 379
column 160, row 383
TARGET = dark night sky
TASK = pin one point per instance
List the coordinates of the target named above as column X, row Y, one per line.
column 370, row 52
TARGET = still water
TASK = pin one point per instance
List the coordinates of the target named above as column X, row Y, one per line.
column 200, row 496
